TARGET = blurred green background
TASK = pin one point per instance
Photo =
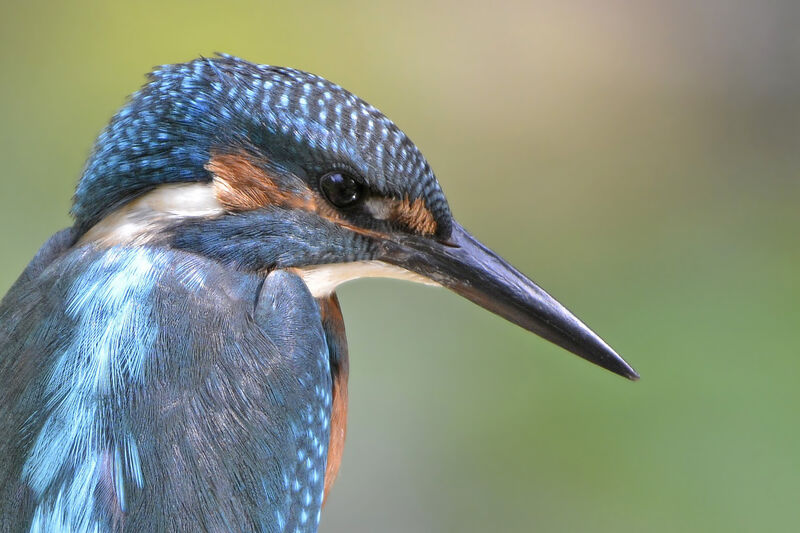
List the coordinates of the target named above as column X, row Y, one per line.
column 640, row 160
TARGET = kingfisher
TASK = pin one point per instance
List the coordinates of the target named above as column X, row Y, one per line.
column 176, row 360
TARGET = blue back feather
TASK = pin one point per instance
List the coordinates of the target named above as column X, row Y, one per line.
column 154, row 390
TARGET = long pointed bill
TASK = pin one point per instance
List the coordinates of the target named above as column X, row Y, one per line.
column 467, row 267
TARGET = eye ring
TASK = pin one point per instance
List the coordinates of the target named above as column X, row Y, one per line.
column 341, row 189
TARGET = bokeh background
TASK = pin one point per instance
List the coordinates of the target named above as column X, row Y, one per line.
column 640, row 160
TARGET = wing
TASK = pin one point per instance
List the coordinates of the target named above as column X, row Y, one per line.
column 151, row 390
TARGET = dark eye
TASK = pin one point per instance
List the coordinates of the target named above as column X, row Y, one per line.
column 341, row 189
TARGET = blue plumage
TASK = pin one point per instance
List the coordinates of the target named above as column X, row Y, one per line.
column 274, row 237
column 132, row 409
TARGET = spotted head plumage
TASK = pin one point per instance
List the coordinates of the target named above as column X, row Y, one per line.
column 239, row 122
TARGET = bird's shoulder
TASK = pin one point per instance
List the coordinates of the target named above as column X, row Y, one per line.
column 173, row 374
column 67, row 279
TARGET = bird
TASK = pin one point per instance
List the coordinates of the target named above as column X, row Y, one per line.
column 176, row 360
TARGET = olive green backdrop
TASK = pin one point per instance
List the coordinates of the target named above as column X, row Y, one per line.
column 641, row 161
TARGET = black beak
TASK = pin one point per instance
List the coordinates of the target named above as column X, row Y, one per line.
column 467, row 267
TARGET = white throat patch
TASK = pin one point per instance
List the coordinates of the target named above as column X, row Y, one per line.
column 322, row 280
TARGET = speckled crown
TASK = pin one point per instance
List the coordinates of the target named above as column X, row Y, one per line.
column 167, row 131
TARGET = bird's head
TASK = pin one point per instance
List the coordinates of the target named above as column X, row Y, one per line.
column 263, row 168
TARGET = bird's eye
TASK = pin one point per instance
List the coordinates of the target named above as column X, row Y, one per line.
column 341, row 189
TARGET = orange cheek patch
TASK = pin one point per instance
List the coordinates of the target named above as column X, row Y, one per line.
column 241, row 185
column 413, row 215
